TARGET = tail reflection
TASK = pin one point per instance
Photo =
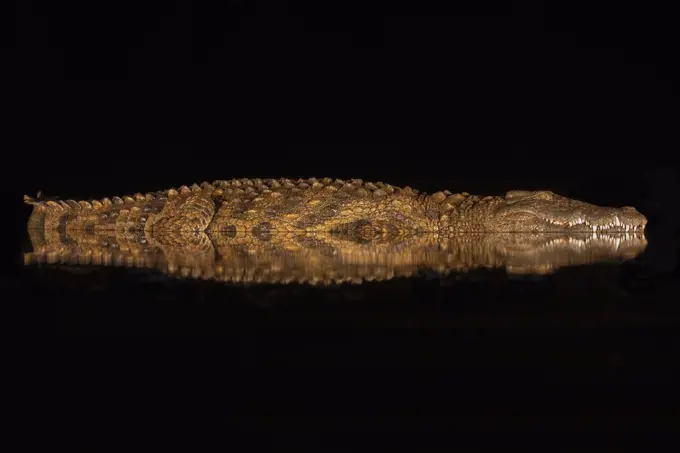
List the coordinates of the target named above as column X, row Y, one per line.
column 327, row 259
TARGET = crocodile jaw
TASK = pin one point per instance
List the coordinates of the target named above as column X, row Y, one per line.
column 546, row 211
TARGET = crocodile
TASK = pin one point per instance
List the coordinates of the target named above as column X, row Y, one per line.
column 257, row 208
column 325, row 259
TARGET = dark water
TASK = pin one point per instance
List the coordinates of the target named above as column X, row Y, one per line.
column 590, row 346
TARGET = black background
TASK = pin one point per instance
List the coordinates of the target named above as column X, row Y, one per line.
column 483, row 97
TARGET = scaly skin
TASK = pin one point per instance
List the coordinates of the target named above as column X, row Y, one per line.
column 362, row 210
column 329, row 258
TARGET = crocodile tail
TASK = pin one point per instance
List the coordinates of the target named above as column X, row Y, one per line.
column 45, row 213
column 37, row 217
column 30, row 200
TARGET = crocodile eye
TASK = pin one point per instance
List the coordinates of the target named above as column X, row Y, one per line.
column 544, row 195
column 516, row 194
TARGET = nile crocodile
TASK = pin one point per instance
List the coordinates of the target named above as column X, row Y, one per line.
column 259, row 207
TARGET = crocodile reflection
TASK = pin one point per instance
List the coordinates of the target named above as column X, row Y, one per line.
column 284, row 257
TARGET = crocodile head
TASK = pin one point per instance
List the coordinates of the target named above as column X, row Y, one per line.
column 543, row 210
